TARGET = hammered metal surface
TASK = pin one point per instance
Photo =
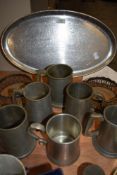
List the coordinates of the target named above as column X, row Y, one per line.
column 59, row 36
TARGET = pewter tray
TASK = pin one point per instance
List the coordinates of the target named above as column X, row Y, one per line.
column 59, row 36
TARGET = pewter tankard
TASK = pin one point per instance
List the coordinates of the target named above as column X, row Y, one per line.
column 37, row 101
column 78, row 99
column 59, row 76
column 63, row 134
column 10, row 165
column 14, row 135
column 105, row 137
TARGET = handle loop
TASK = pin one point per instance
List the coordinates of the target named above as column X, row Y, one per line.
column 89, row 122
column 37, row 127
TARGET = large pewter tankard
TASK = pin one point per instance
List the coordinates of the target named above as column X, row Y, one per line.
column 105, row 137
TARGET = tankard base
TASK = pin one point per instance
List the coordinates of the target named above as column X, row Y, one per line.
column 28, row 152
column 101, row 150
column 57, row 105
column 60, row 162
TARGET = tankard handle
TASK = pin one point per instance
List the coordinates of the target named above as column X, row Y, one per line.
column 89, row 120
column 37, row 127
column 40, row 74
column 17, row 97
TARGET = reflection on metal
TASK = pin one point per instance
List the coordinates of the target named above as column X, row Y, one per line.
column 59, row 36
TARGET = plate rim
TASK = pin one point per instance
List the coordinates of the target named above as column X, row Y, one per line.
column 14, row 61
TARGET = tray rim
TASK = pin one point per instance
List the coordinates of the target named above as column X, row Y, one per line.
column 18, row 64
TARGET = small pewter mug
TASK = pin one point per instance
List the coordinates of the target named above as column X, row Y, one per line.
column 78, row 99
column 105, row 137
column 37, row 101
column 62, row 143
column 10, row 165
column 14, row 135
column 59, row 76
column 87, row 168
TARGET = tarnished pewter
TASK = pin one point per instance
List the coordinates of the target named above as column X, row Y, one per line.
column 14, row 135
column 88, row 168
column 37, row 101
column 105, row 137
column 78, row 99
column 63, row 134
column 59, row 76
column 10, row 165
column 59, row 37
column 93, row 169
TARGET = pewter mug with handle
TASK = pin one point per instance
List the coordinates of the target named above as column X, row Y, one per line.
column 63, row 134
column 59, row 76
column 105, row 137
column 37, row 101
column 78, row 99
column 14, row 135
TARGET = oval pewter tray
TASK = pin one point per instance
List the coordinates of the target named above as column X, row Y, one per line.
column 59, row 36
